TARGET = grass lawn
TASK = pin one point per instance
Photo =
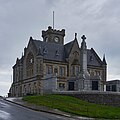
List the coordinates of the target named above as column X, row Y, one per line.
column 75, row 106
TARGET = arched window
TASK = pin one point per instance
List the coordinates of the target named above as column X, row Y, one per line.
column 30, row 65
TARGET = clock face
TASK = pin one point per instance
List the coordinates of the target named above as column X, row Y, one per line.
column 56, row 39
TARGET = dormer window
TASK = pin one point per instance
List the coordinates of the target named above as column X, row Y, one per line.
column 91, row 58
column 44, row 50
column 57, row 52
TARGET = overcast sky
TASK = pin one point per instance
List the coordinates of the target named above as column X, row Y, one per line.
column 99, row 20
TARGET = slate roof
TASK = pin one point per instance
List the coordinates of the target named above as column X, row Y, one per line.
column 92, row 58
column 68, row 48
column 59, row 52
column 50, row 51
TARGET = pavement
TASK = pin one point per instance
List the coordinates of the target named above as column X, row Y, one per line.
column 19, row 101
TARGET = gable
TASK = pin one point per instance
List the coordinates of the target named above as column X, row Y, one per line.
column 72, row 48
column 68, row 48
column 31, row 47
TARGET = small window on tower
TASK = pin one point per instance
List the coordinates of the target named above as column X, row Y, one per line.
column 46, row 39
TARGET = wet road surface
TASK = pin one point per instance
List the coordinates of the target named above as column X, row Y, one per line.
column 10, row 111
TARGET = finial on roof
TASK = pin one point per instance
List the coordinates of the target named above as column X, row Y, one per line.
column 75, row 36
column 49, row 27
column 31, row 38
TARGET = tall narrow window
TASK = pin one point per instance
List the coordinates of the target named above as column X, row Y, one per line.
column 62, row 71
column 73, row 70
column 49, row 69
column 29, row 64
column 77, row 70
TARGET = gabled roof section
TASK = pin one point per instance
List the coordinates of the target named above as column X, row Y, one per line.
column 31, row 43
column 68, row 48
column 48, row 50
column 93, row 59
column 104, row 60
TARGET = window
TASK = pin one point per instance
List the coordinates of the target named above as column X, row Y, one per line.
column 24, row 89
column 77, row 70
column 62, row 71
column 57, row 53
column 49, row 69
column 73, row 70
column 44, row 50
column 61, row 86
column 46, row 39
column 91, row 58
column 29, row 88
column 92, row 73
column 35, row 87
column 114, row 88
column 29, row 65
column 107, row 88
column 97, row 73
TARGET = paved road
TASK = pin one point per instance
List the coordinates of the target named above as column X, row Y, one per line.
column 10, row 111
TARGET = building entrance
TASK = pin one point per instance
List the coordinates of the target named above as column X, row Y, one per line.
column 71, row 86
column 94, row 85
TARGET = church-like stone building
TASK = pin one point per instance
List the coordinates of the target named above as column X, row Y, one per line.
column 50, row 65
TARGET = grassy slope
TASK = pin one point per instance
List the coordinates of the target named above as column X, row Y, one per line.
column 74, row 106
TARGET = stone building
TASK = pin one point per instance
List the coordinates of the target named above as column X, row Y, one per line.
column 50, row 65
column 113, row 85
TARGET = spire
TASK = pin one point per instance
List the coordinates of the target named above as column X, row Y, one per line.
column 104, row 60
column 83, row 44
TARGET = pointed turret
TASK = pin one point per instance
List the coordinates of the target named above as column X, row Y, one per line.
column 104, row 60
column 104, row 72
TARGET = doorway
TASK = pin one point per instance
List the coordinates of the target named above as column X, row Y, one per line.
column 94, row 85
column 71, row 86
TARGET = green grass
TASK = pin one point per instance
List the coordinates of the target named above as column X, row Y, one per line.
column 74, row 106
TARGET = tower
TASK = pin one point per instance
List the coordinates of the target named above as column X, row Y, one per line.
column 53, row 36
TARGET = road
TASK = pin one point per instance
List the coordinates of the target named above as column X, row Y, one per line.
column 10, row 111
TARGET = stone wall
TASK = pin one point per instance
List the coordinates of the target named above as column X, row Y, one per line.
column 105, row 98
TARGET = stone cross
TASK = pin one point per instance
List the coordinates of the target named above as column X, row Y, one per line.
column 83, row 37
